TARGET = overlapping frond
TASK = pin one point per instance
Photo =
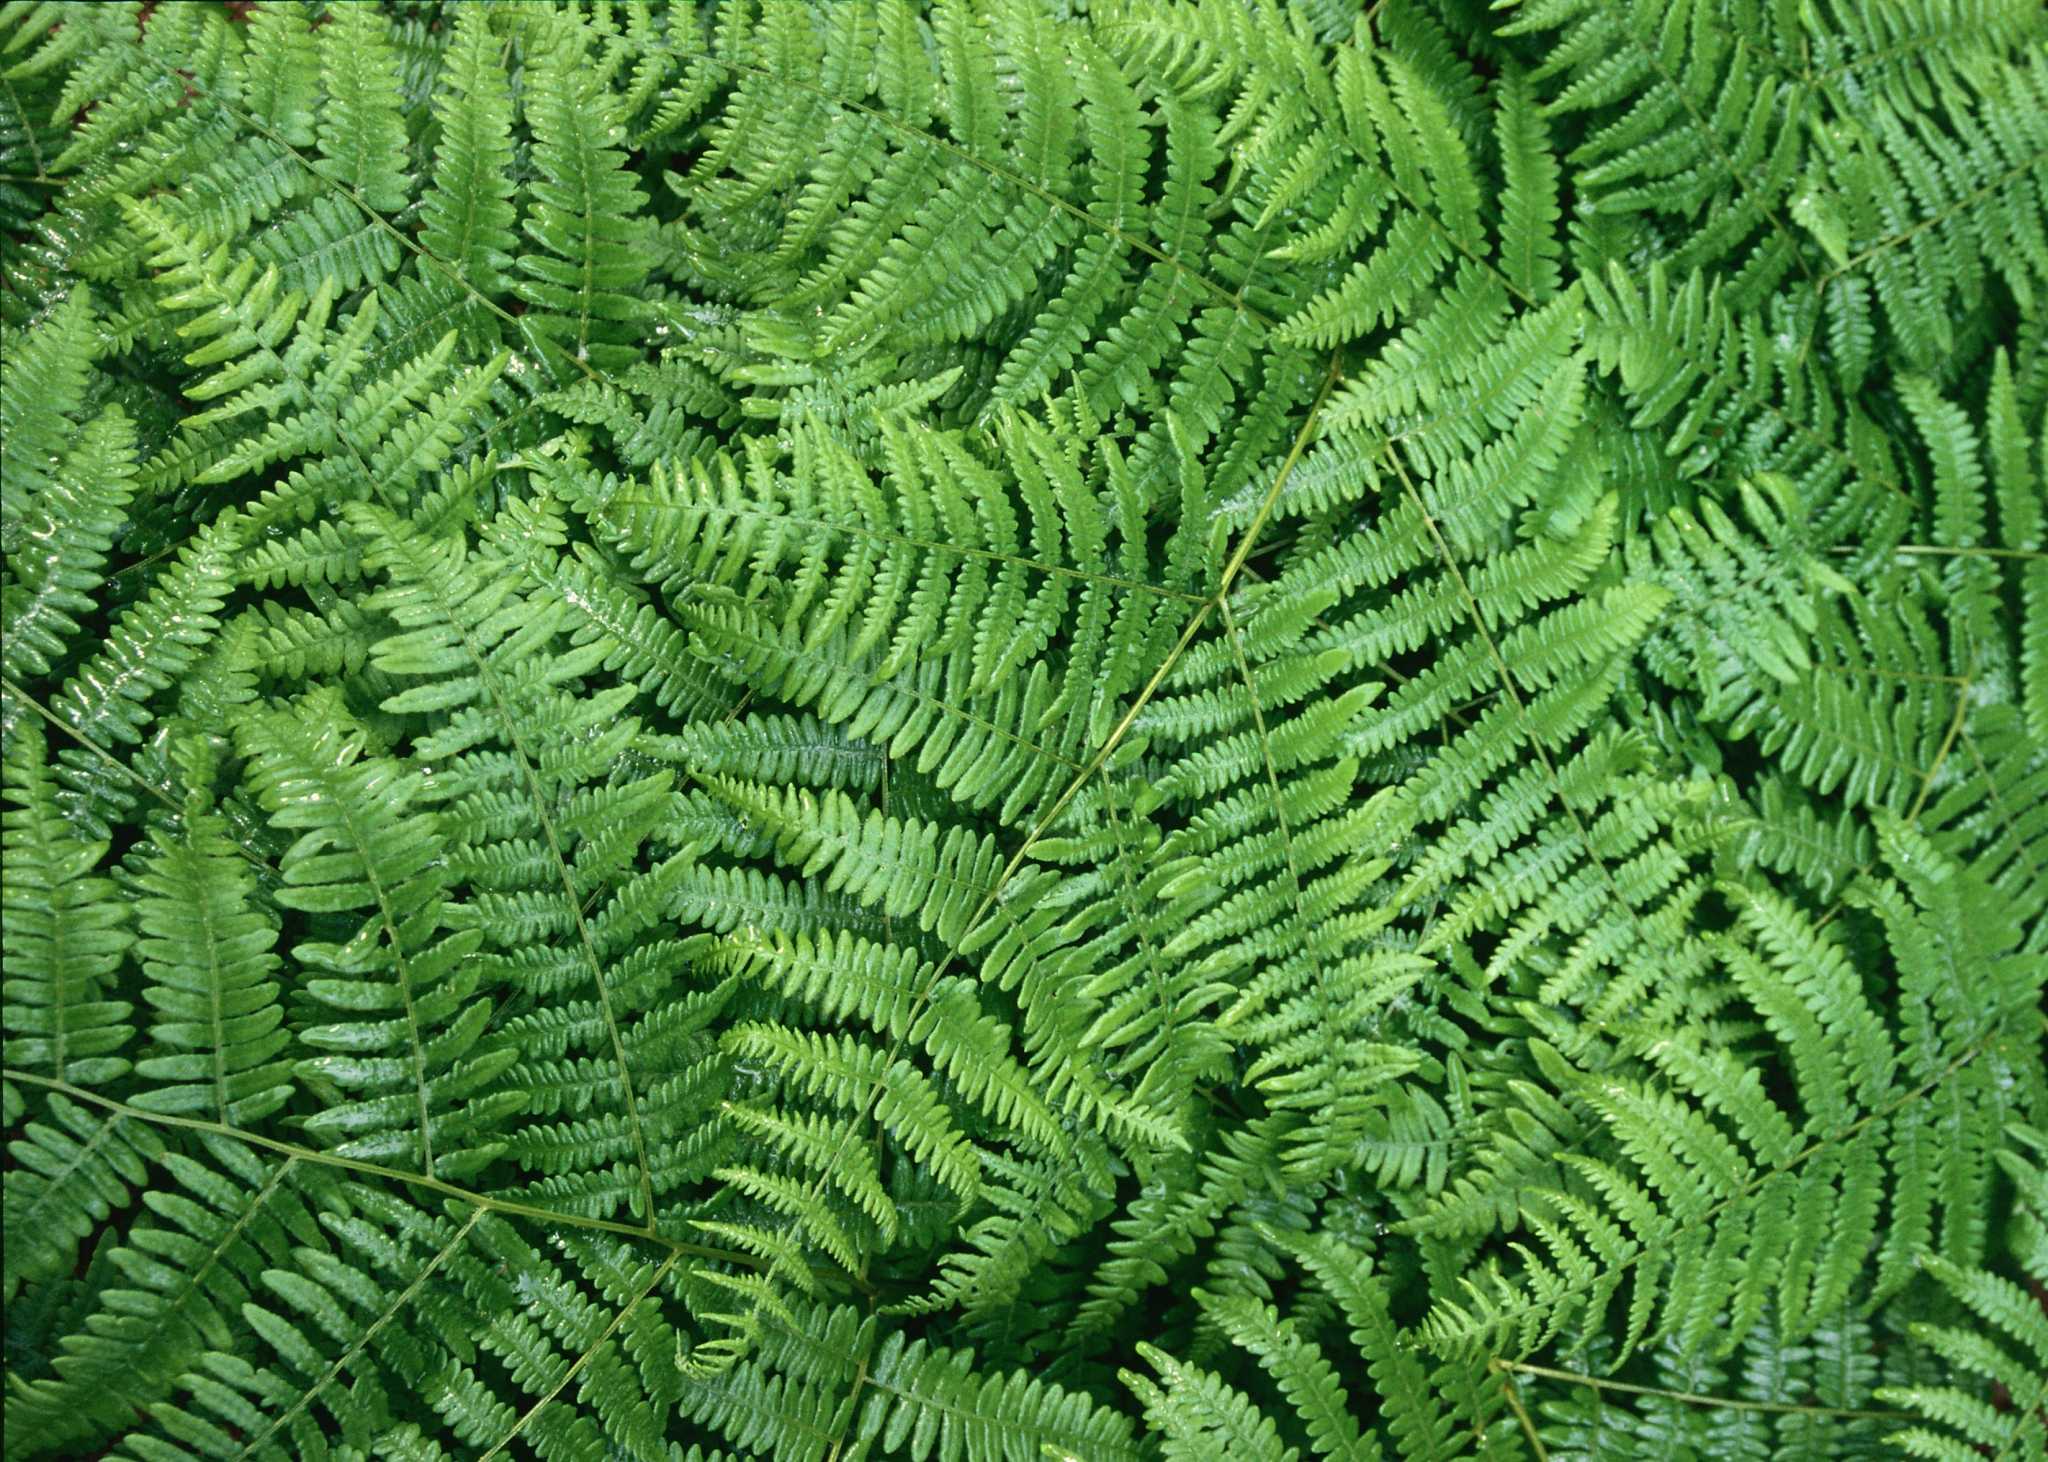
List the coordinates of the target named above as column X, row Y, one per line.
column 1718, row 1200
column 1006, row 728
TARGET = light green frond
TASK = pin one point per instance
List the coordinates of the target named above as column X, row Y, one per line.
column 469, row 214
column 361, row 132
column 361, row 851
column 207, row 955
column 1017, row 728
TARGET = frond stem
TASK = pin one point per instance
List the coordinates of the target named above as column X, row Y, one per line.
column 507, row 1206
column 625, row 1312
column 390, row 1311
column 1693, row 1398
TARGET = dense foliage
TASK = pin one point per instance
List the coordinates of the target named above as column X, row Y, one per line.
column 1095, row 728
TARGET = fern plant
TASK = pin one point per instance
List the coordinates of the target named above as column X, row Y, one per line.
column 1010, row 728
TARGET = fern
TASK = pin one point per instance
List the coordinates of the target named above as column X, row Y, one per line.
column 979, row 729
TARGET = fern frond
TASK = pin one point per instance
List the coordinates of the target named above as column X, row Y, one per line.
column 468, row 215
column 47, row 372
column 805, row 727
column 66, row 933
column 584, row 281
column 207, row 955
column 65, row 538
column 361, row 134
column 361, row 848
column 68, row 1173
